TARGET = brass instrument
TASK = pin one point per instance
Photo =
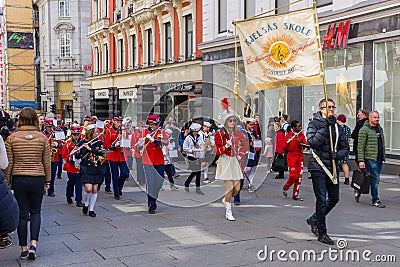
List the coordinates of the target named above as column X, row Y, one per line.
column 53, row 150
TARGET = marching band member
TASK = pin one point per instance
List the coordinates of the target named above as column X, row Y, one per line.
column 137, row 146
column 106, row 164
column 91, row 171
column 194, row 147
column 60, row 159
column 231, row 146
column 54, row 146
column 294, row 143
column 208, row 139
column 116, row 159
column 153, row 159
column 70, row 166
column 252, row 157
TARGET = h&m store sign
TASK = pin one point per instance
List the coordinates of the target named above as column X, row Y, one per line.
column 336, row 36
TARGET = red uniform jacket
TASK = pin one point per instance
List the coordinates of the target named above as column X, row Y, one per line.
column 110, row 139
column 134, row 141
column 153, row 154
column 48, row 134
column 294, row 145
column 68, row 147
column 239, row 144
column 279, row 141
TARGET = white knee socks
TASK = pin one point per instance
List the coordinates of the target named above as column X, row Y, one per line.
column 86, row 197
column 93, row 198
column 206, row 173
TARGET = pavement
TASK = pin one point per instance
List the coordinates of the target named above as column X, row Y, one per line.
column 189, row 229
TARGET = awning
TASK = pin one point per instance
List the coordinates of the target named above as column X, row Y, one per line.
column 23, row 104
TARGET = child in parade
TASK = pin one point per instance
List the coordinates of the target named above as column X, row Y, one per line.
column 71, row 166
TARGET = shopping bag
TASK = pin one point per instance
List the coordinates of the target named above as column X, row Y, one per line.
column 279, row 164
column 361, row 181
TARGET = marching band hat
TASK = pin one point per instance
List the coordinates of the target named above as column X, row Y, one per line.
column 249, row 120
column 76, row 130
column 48, row 123
column 207, row 124
column 58, row 128
column 195, row 127
column 90, row 127
column 153, row 118
column 118, row 117
column 87, row 118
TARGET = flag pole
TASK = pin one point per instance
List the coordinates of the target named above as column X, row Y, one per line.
column 334, row 174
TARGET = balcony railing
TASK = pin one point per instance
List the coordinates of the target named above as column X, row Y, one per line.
column 99, row 25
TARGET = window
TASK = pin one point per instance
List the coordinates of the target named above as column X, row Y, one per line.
column 149, row 47
column 121, row 54
column 96, row 60
column 96, row 10
column 65, row 45
column 64, row 10
column 189, row 36
column 105, row 58
column 222, row 15
column 321, row 3
column 105, row 9
column 249, row 8
column 279, row 3
column 168, row 42
column 386, row 90
column 134, row 50
column 43, row 14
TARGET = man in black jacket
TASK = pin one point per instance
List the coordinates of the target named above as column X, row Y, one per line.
column 362, row 117
column 5, row 119
column 320, row 165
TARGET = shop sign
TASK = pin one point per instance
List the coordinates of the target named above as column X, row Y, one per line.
column 101, row 94
column 336, row 37
column 130, row 93
column 61, row 93
column 177, row 87
column 148, row 87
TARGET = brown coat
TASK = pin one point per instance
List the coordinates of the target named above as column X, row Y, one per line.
column 28, row 154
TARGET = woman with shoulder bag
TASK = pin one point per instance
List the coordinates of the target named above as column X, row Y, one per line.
column 29, row 175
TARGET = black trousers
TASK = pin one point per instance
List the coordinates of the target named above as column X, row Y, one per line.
column 28, row 191
column 191, row 176
column 168, row 171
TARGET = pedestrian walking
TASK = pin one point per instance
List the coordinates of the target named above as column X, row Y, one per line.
column 92, row 156
column 268, row 152
column 153, row 159
column 294, row 143
column 106, row 164
column 194, row 149
column 231, row 146
column 341, row 120
column 116, row 158
column 371, row 154
column 320, row 165
column 279, row 146
column 362, row 118
column 285, row 124
column 29, row 174
column 70, row 166
column 8, row 205
column 168, row 161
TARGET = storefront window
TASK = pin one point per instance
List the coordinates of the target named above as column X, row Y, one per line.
column 129, row 108
column 387, row 93
column 343, row 73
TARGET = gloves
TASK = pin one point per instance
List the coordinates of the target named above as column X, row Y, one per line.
column 71, row 159
column 333, row 155
column 55, row 144
column 329, row 121
column 151, row 139
column 228, row 144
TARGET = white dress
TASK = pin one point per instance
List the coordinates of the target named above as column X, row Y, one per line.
column 228, row 168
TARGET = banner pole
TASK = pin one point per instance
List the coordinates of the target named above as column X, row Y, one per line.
column 334, row 174
column 236, row 89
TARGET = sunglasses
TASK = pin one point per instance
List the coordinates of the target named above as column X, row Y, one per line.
column 232, row 120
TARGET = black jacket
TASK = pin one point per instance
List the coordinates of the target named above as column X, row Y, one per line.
column 90, row 161
column 354, row 134
column 9, row 211
column 319, row 141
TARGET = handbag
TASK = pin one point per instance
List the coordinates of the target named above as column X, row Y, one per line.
column 361, row 181
column 279, row 165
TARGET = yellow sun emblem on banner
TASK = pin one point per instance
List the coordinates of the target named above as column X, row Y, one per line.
column 280, row 50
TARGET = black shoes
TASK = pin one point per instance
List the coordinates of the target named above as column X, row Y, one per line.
column 325, row 239
column 378, row 204
column 187, row 189
column 5, row 242
column 24, row 255
column 357, row 196
column 108, row 191
column 59, row 177
column 198, row 191
column 297, row 198
column 279, row 177
column 92, row 214
column 346, row 181
column 69, row 200
column 32, row 252
column 284, row 192
column 117, row 197
column 79, row 204
column 51, row 194
column 152, row 211
column 313, row 226
column 85, row 210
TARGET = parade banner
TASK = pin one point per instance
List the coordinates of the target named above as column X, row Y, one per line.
column 281, row 50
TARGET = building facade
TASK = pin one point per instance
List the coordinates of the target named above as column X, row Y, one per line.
column 65, row 59
column 145, row 58
column 361, row 70
column 17, row 77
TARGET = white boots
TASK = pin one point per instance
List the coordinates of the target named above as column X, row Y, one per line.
column 228, row 210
